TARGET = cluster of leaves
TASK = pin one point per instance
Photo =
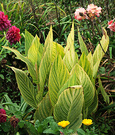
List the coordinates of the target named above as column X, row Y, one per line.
column 36, row 18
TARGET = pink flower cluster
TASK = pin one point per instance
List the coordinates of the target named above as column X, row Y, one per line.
column 111, row 25
column 4, row 22
column 90, row 13
column 13, row 34
column 2, row 116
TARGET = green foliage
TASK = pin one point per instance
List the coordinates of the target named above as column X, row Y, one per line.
column 51, row 66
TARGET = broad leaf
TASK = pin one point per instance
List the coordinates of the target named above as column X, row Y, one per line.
column 86, row 65
column 71, row 57
column 26, row 60
column 35, row 54
column 58, row 76
column 47, row 61
column 70, row 40
column 93, row 107
column 26, row 87
column 99, row 52
column 82, row 44
column 69, row 107
column 49, row 39
column 59, row 49
column 90, row 59
column 44, row 108
column 83, row 79
column 28, row 41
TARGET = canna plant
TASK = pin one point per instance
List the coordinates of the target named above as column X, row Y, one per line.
column 71, row 94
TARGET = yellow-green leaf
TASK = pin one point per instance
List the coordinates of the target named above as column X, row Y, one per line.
column 47, row 61
column 98, row 53
column 70, row 40
column 28, row 41
column 58, row 76
column 44, row 109
column 26, row 60
column 83, row 79
column 71, row 57
column 82, row 44
column 26, row 87
column 86, row 65
column 69, row 107
column 93, row 107
column 35, row 54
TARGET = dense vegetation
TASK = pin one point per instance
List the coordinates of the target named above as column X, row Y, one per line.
column 34, row 17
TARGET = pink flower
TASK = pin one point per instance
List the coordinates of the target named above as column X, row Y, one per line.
column 111, row 25
column 2, row 116
column 4, row 22
column 80, row 14
column 13, row 35
column 93, row 11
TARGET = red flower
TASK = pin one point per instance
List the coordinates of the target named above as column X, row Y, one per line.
column 13, row 35
column 111, row 25
column 2, row 116
column 4, row 22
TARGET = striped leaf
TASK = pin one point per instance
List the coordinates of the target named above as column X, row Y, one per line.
column 70, row 40
column 47, row 61
column 49, row 39
column 93, row 107
column 86, row 65
column 82, row 44
column 83, row 79
column 99, row 53
column 44, row 109
column 58, row 76
column 59, row 49
column 28, row 41
column 26, row 87
column 35, row 54
column 26, row 60
column 69, row 107
column 90, row 59
column 71, row 57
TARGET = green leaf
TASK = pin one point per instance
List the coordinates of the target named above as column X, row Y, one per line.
column 21, row 123
column 47, row 61
column 28, row 41
column 70, row 82
column 58, row 76
column 1, row 76
column 59, row 49
column 93, row 107
column 70, row 40
column 70, row 58
column 26, row 87
column 69, row 107
column 104, row 94
column 90, row 59
column 83, row 79
column 49, row 39
column 35, row 54
column 44, row 108
column 26, row 60
column 98, row 53
column 95, row 69
column 85, row 64
column 82, row 44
